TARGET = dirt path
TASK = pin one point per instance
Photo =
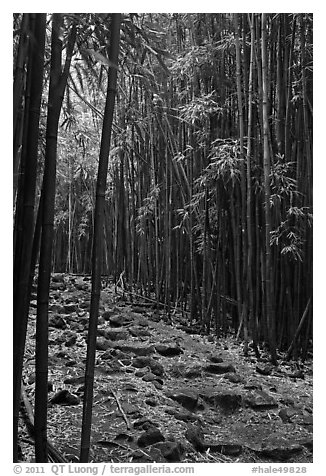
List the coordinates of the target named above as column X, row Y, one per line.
column 162, row 394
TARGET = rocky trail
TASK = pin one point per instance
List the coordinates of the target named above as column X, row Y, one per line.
column 162, row 394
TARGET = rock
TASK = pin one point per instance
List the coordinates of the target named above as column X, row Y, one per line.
column 286, row 414
column 194, row 371
column 151, row 402
column 102, row 343
column 228, row 449
column 188, row 398
column 303, row 418
column 307, row 443
column 138, row 456
column 177, row 370
column 113, row 368
column 141, row 361
column 195, row 436
column 141, row 373
column 253, row 385
column 156, row 368
column 69, row 308
column 117, row 334
column 287, row 400
column 152, row 455
column 216, row 358
column 149, row 437
column 297, row 374
column 71, row 341
column 260, row 400
column 126, row 366
column 170, row 411
column 108, row 314
column 131, row 409
column 64, row 397
column 137, row 349
column 85, row 305
column 119, row 320
column 219, row 368
column 102, row 332
column 264, row 369
column 280, row 453
column 124, row 437
column 114, row 358
column 118, row 354
column 139, row 332
column 150, row 377
column 168, row 350
column 57, row 308
column 157, row 385
column 227, row 401
column 171, row 450
column 186, row 417
column 130, row 387
column 234, row 378
column 57, row 321
column 145, row 423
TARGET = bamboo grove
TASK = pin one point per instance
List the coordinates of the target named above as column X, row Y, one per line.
column 207, row 207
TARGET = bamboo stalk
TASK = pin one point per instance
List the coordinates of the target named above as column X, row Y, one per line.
column 297, row 332
column 54, row 455
column 270, row 317
column 98, row 238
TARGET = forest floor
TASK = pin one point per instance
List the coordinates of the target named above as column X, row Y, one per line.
column 162, row 394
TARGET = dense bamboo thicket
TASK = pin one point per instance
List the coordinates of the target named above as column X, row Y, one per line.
column 208, row 202
column 210, row 183
column 171, row 154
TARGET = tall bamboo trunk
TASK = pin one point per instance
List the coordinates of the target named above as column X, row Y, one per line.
column 156, row 219
column 250, row 290
column 24, row 242
column 269, row 294
column 98, row 236
column 243, row 303
column 57, row 86
column 18, row 87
